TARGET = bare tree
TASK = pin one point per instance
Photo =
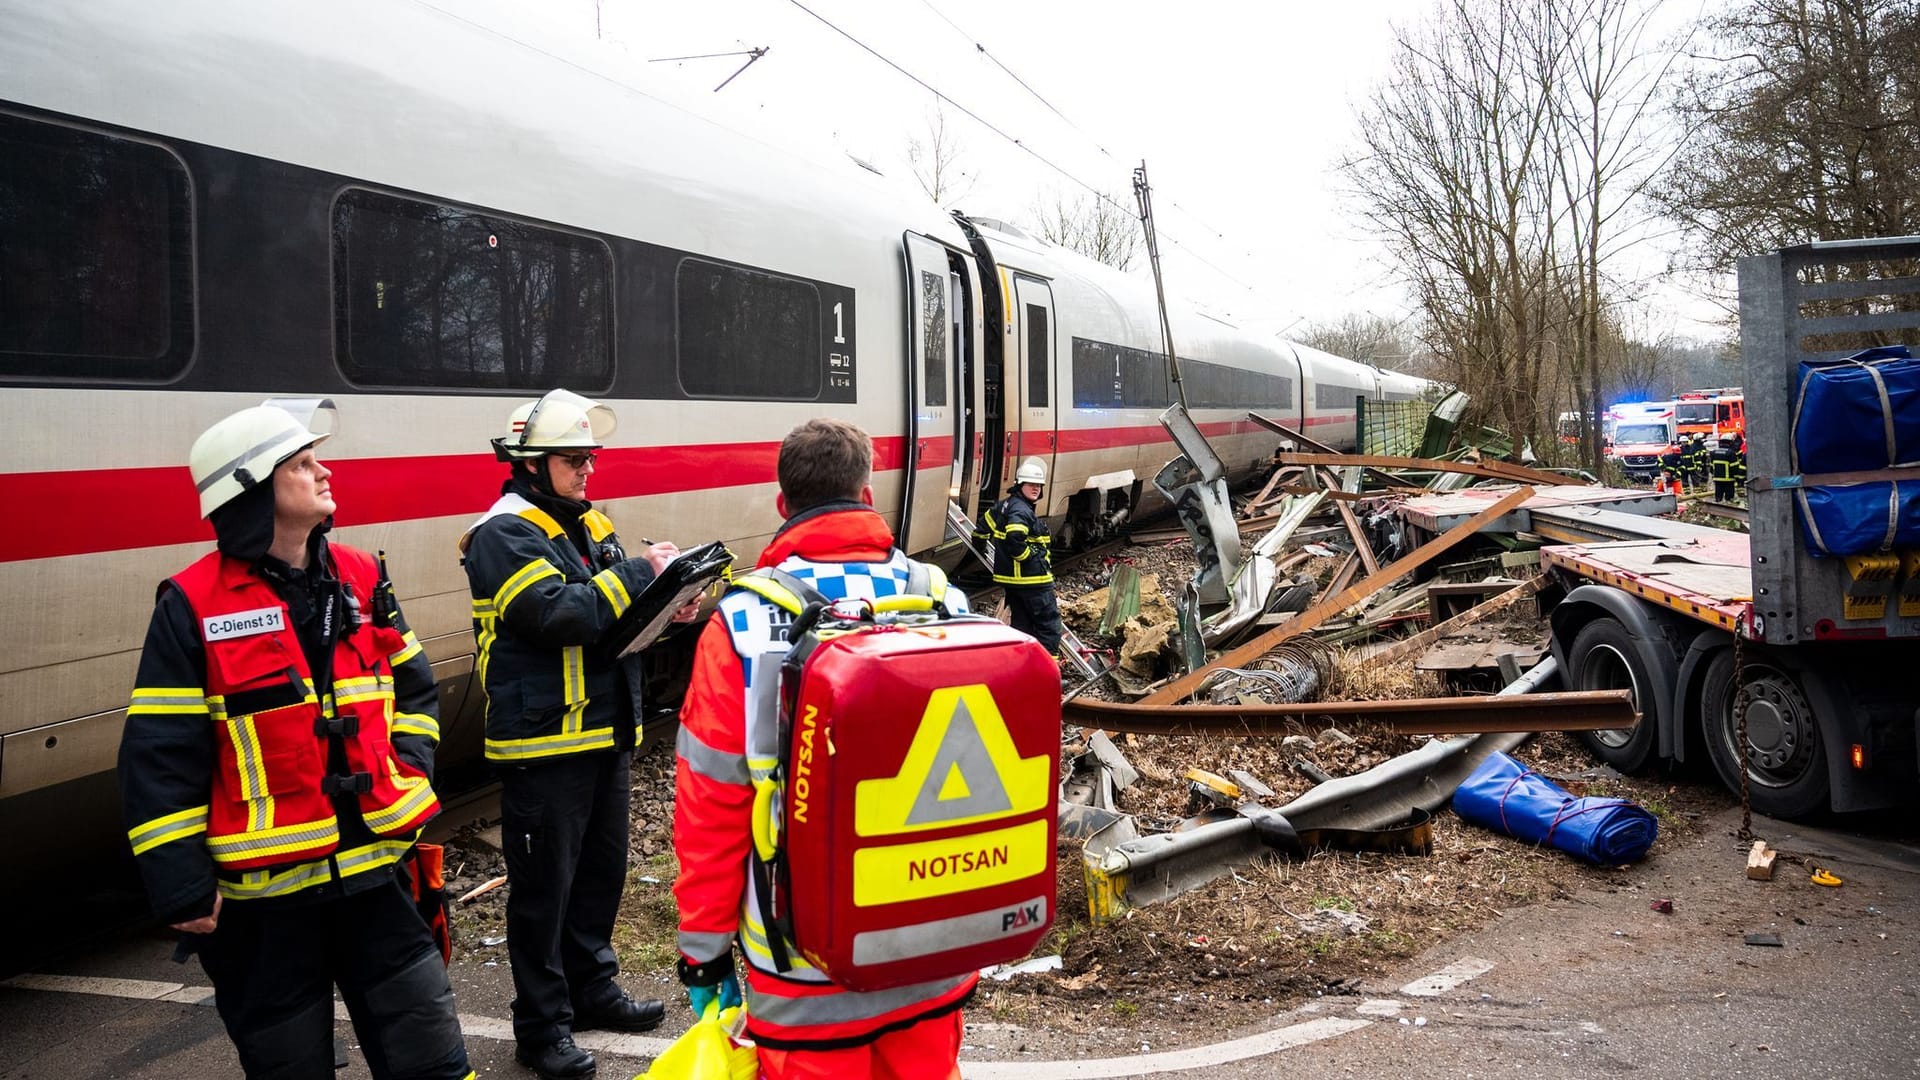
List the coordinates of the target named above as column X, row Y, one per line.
column 935, row 159
column 1607, row 158
column 1454, row 175
column 1099, row 228
column 1370, row 339
column 1806, row 126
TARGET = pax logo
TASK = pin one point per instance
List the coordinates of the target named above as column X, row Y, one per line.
column 1021, row 917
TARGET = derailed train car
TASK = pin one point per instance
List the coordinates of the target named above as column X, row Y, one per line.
column 205, row 204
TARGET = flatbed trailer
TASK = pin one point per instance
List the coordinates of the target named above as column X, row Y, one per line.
column 1796, row 676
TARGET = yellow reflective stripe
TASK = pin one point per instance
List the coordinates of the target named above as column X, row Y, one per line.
column 165, row 700
column 544, row 520
column 163, row 830
column 573, row 682
column 549, row 745
column 359, row 694
column 599, row 526
column 284, row 840
column 483, row 609
column 257, row 883
column 772, row 591
column 411, row 650
column 416, row 800
column 614, row 590
column 754, row 937
column 252, row 772
column 936, row 582
column 527, row 575
column 413, row 723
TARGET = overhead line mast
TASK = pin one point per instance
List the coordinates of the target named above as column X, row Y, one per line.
column 1143, row 192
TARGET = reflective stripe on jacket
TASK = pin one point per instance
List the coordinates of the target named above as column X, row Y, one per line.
column 539, row 606
column 272, row 792
column 1021, row 545
column 227, row 742
column 726, row 740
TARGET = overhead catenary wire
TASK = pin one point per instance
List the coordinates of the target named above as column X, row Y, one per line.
column 997, row 130
column 1082, row 132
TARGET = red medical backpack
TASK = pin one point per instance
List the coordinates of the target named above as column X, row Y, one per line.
column 920, row 779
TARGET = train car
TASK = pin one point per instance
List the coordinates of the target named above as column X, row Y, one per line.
column 206, row 204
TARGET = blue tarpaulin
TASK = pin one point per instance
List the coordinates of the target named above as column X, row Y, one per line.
column 1507, row 797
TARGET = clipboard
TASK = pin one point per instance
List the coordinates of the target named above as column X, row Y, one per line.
column 685, row 578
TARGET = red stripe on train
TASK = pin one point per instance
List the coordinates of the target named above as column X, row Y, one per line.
column 153, row 507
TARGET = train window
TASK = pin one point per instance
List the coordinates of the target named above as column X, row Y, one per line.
column 1038, row 337
column 933, row 329
column 435, row 295
column 96, row 269
column 747, row 334
column 1328, row 395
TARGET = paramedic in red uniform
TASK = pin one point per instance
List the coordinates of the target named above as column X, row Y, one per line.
column 803, row 1025
column 549, row 577
column 276, row 764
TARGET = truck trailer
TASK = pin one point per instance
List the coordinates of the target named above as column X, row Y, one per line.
column 1794, row 671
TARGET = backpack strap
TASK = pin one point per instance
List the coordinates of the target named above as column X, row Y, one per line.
column 781, row 589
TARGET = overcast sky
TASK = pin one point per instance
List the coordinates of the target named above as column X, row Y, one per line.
column 1241, row 109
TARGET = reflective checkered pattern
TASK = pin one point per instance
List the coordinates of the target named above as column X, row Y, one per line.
column 759, row 626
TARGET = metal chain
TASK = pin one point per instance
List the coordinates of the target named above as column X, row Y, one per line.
column 1740, row 750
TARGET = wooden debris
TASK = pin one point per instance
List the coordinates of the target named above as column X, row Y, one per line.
column 1321, row 612
column 1405, row 647
column 1760, row 861
column 482, row 889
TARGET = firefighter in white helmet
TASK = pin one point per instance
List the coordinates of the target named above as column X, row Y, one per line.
column 1022, row 562
column 286, row 658
column 549, row 577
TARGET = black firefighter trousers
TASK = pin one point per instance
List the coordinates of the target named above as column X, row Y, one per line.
column 564, row 824
column 1036, row 613
column 274, row 967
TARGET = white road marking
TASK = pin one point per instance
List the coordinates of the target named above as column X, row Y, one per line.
column 137, row 989
column 1447, row 977
column 1193, row 1057
column 605, row 1042
column 643, row 1046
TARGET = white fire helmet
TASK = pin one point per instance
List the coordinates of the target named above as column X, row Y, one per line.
column 1032, row 471
column 560, row 421
column 242, row 450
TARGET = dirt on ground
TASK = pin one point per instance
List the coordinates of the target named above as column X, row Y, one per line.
column 1267, row 936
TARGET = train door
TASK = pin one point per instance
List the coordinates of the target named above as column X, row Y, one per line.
column 1030, row 426
column 936, row 436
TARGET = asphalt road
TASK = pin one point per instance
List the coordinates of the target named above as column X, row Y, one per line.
column 1592, row 986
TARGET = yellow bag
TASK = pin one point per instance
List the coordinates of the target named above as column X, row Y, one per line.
column 708, row 1051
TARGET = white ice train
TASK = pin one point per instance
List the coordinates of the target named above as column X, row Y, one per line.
column 205, row 204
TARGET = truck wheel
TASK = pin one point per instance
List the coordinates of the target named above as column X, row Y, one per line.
column 1785, row 758
column 1606, row 656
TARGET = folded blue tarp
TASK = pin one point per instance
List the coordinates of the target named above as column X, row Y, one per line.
column 1507, row 797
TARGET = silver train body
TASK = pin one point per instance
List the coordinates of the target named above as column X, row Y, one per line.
column 206, row 204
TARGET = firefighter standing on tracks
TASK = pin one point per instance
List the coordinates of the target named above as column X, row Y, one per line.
column 1022, row 563
column 276, row 764
column 1723, row 458
column 805, row 1026
column 1695, row 461
column 548, row 578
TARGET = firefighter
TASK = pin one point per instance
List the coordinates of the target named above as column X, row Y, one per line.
column 1021, row 562
column 1695, row 461
column 549, row 577
column 277, row 764
column 802, row 1025
column 1723, row 458
column 1740, row 470
column 1669, row 470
